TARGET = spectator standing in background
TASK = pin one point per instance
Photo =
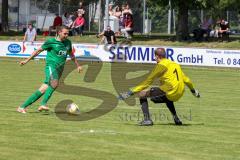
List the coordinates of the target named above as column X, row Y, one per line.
column 122, row 18
column 110, row 9
column 127, row 10
column 30, row 34
column 81, row 9
column 118, row 14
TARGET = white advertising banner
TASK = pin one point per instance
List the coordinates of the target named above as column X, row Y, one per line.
column 133, row 54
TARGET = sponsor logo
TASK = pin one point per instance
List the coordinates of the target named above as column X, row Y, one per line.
column 87, row 53
column 14, row 48
column 62, row 53
column 86, row 46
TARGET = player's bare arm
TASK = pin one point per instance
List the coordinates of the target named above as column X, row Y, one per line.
column 79, row 67
column 34, row 54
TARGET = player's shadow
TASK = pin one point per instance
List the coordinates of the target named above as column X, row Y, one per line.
column 173, row 124
column 41, row 113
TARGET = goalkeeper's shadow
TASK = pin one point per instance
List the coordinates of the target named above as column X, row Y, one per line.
column 167, row 124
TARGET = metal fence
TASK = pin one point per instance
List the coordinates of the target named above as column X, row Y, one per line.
column 160, row 18
column 26, row 11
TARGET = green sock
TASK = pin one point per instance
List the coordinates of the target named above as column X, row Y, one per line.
column 34, row 97
column 47, row 95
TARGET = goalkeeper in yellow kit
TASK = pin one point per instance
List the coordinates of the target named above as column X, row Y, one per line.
column 172, row 83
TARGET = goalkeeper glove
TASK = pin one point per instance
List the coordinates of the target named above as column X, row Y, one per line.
column 195, row 93
column 125, row 95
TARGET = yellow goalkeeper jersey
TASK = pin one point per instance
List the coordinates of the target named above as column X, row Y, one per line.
column 171, row 77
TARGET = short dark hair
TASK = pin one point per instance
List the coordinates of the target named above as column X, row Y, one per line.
column 160, row 52
column 60, row 28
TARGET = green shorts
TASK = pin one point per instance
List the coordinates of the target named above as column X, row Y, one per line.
column 52, row 72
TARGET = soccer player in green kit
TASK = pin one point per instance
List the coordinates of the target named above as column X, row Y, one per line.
column 57, row 50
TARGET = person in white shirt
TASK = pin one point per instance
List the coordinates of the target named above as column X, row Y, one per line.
column 67, row 20
column 30, row 34
column 110, row 9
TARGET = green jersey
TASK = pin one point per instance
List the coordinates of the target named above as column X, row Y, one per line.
column 57, row 51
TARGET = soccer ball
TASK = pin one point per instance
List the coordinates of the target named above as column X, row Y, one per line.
column 72, row 109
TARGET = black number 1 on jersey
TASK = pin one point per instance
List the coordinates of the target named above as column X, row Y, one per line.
column 175, row 71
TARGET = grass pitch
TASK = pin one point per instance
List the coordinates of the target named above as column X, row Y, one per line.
column 211, row 129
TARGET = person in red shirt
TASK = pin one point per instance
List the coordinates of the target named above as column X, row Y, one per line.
column 57, row 22
column 78, row 25
column 128, row 27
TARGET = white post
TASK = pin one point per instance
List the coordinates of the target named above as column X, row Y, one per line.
column 147, row 13
column 27, row 12
column 89, row 16
column 99, row 17
column 107, row 12
column 144, row 14
column 227, row 15
column 174, row 21
column 60, row 8
column 18, row 3
column 169, row 17
column 148, row 27
column 202, row 15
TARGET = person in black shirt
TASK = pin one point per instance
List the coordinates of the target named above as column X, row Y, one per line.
column 224, row 28
column 108, row 36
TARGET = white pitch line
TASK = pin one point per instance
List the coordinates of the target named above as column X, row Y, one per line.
column 92, row 131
